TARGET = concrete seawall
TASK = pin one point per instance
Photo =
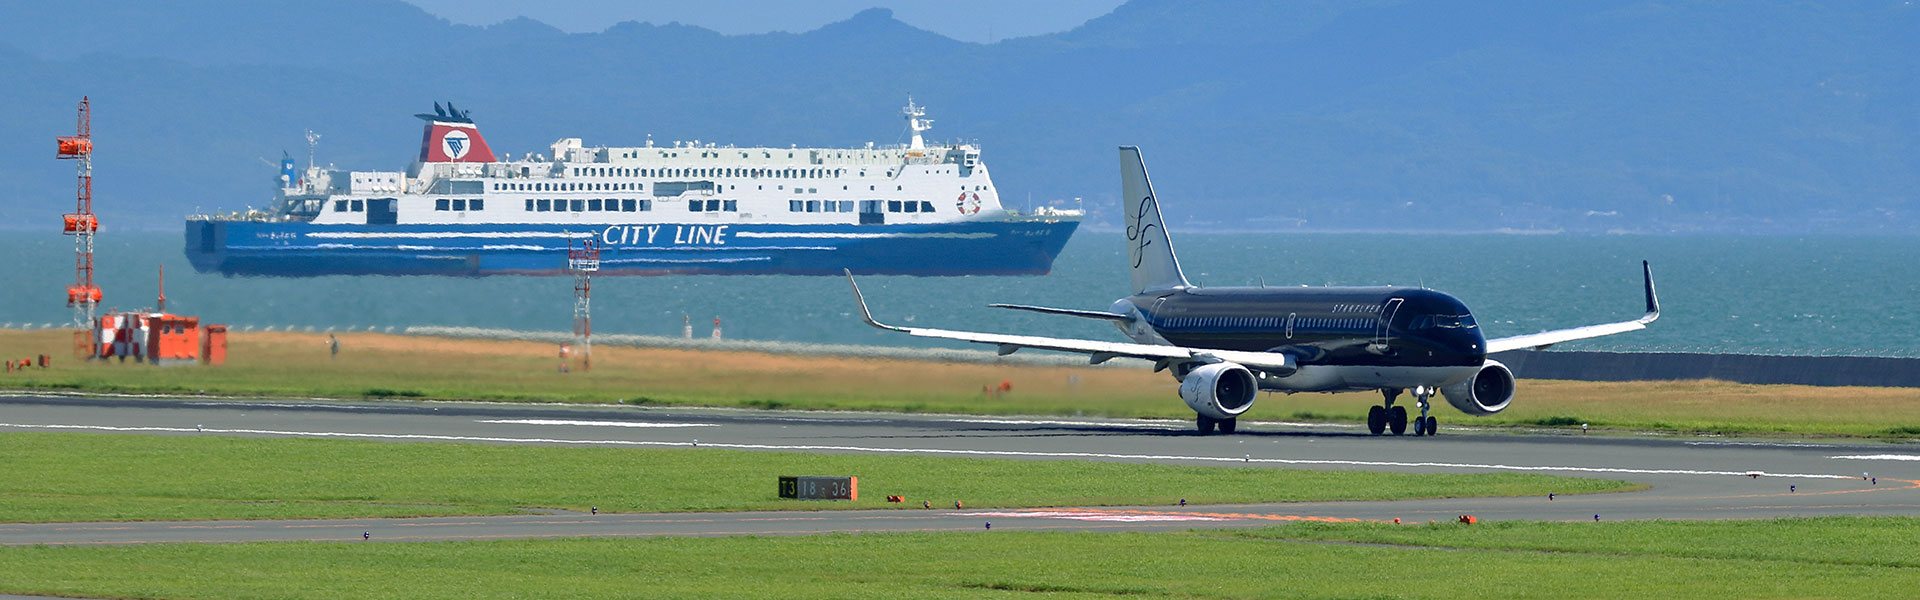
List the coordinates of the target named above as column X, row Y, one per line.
column 1741, row 368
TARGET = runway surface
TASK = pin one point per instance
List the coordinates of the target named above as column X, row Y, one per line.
column 1691, row 477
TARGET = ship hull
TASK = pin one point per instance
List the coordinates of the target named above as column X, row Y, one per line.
column 294, row 249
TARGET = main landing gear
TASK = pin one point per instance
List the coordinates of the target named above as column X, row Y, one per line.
column 1387, row 416
column 1207, row 424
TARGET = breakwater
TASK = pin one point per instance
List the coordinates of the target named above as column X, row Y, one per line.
column 1740, row 368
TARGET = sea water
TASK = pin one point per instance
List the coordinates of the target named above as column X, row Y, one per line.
column 1819, row 295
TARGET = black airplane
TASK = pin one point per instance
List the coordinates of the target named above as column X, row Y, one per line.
column 1225, row 344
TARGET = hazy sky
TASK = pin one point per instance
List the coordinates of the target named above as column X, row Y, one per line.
column 967, row 20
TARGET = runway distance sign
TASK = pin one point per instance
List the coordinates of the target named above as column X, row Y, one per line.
column 820, row 488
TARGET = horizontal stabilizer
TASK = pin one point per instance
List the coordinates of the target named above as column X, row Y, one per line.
column 1097, row 351
column 1088, row 314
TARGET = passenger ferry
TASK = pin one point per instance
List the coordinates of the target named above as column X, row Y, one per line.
column 690, row 208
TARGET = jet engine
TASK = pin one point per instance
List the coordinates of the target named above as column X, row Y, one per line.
column 1489, row 391
column 1219, row 390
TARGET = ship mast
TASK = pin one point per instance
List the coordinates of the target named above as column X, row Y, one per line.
column 917, row 123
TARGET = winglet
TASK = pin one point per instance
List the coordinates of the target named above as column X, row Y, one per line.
column 1653, row 301
column 862, row 301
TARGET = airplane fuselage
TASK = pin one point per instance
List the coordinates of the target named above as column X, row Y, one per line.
column 1342, row 337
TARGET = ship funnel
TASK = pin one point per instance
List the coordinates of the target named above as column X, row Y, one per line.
column 451, row 136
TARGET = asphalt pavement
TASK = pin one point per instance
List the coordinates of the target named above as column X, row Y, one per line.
column 1691, row 477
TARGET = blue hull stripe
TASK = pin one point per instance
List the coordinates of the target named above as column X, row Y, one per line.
column 302, row 249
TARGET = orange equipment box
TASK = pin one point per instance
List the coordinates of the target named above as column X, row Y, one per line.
column 173, row 338
column 213, row 345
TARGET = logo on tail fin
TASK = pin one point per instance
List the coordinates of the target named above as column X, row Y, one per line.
column 1138, row 228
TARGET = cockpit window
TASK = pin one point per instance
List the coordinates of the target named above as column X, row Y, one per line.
column 1445, row 322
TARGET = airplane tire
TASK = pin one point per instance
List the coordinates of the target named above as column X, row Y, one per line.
column 1397, row 419
column 1227, row 425
column 1377, row 419
column 1433, row 425
column 1205, row 424
column 1419, row 427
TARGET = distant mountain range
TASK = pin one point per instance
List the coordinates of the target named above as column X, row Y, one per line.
column 1594, row 116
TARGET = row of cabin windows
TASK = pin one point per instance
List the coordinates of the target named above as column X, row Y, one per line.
column 568, row 187
column 459, row 204
column 722, row 172
column 590, row 205
column 895, row 206
column 713, row 206
column 341, row 205
column 814, row 206
column 1310, row 323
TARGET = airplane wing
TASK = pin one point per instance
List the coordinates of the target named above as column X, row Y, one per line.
column 1098, row 351
column 1549, row 338
column 1086, row 314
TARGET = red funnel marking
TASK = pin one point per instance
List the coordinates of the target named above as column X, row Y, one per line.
column 453, row 142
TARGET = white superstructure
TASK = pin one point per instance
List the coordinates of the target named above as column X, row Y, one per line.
column 457, row 180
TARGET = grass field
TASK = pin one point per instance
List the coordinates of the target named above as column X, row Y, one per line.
column 395, row 366
column 1797, row 558
column 95, row 477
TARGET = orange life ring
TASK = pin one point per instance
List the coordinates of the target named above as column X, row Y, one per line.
column 968, row 203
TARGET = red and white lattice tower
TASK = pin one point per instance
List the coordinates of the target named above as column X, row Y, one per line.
column 83, row 296
column 583, row 262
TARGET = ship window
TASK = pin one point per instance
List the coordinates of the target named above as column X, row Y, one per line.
column 730, row 205
column 897, row 188
column 693, row 206
column 529, row 205
column 579, row 205
column 913, row 206
column 869, row 188
column 893, row 206
column 926, row 206
column 813, row 190
column 795, row 206
column 359, row 206
column 460, row 204
column 339, row 206
column 544, row 205
column 813, row 206
column 593, row 204
column 626, row 205
column 713, row 205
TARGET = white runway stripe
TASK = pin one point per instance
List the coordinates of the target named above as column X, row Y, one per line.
column 945, row 451
column 597, row 423
column 1909, row 457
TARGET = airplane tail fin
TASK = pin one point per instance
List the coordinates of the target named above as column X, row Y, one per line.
column 1148, row 248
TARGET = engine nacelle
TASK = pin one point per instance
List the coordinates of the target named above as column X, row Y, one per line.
column 1489, row 391
column 1219, row 390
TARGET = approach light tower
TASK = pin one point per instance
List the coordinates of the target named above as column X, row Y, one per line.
column 83, row 296
column 583, row 262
